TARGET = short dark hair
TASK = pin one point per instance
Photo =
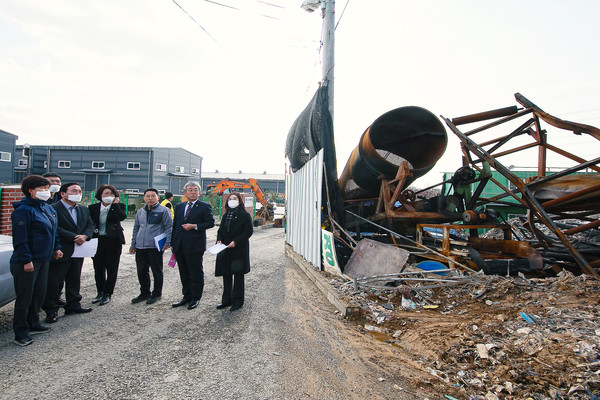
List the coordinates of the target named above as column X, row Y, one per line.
column 103, row 188
column 151, row 190
column 66, row 186
column 31, row 182
column 51, row 175
column 168, row 195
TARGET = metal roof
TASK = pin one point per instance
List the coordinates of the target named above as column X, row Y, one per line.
column 236, row 176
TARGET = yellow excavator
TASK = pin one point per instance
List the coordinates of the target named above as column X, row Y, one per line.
column 265, row 212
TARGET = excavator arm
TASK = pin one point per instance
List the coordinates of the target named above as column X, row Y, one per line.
column 226, row 184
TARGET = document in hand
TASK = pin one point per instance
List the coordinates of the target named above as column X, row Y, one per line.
column 217, row 248
column 87, row 249
column 160, row 240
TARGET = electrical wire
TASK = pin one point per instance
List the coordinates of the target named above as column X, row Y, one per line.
column 341, row 15
column 239, row 9
column 197, row 23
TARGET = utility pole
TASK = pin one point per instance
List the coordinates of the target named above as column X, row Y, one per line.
column 328, row 8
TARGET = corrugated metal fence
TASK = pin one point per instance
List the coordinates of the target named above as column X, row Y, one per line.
column 303, row 208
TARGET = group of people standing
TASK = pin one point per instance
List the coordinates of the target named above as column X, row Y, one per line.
column 49, row 223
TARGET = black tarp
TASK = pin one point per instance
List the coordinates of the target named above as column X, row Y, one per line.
column 311, row 132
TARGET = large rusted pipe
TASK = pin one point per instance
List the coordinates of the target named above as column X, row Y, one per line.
column 410, row 134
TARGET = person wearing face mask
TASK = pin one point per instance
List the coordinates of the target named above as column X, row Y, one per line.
column 55, row 182
column 107, row 215
column 74, row 228
column 234, row 261
column 35, row 242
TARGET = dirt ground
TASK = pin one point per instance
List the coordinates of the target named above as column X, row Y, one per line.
column 287, row 342
column 492, row 337
column 469, row 341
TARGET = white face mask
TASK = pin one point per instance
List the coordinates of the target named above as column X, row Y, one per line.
column 233, row 203
column 54, row 188
column 75, row 198
column 108, row 200
column 42, row 195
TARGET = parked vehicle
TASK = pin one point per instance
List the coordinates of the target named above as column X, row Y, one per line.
column 7, row 288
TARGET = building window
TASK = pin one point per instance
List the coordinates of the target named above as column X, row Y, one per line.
column 161, row 167
column 98, row 164
column 133, row 165
column 64, row 164
column 179, row 169
column 5, row 156
column 22, row 162
column 196, row 171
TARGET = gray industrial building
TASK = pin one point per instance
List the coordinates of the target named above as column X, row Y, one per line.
column 7, row 160
column 129, row 169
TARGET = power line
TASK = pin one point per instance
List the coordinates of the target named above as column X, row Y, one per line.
column 341, row 15
column 239, row 9
column 182, row 9
column 269, row 4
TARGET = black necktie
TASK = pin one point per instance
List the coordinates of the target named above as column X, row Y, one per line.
column 187, row 210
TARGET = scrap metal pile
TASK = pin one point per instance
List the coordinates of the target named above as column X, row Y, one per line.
column 491, row 307
column 558, row 224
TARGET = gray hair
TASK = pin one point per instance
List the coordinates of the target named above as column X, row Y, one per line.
column 191, row 183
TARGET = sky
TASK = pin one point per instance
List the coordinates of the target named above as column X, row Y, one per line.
column 226, row 81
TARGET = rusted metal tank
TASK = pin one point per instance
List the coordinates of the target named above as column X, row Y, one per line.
column 407, row 133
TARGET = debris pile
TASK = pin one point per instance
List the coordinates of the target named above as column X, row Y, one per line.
column 487, row 337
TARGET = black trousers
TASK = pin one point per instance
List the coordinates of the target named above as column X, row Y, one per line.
column 106, row 263
column 30, row 288
column 191, row 272
column 233, row 289
column 146, row 260
column 69, row 273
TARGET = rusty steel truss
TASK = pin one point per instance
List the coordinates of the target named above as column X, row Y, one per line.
column 574, row 195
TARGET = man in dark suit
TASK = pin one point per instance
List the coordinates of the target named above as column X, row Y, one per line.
column 192, row 219
column 74, row 228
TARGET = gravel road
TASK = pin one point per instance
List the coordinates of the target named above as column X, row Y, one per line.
column 287, row 342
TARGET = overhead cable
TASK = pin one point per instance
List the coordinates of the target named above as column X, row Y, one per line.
column 341, row 15
column 240, row 9
column 192, row 18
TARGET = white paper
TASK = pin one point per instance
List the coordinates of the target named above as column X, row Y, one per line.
column 87, row 249
column 217, row 248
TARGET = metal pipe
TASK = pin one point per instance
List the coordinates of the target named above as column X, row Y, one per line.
column 410, row 134
column 482, row 116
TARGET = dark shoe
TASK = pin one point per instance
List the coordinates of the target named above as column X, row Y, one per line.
column 61, row 303
column 51, row 318
column 192, row 304
column 105, row 299
column 79, row 310
column 222, row 306
column 25, row 341
column 140, row 298
column 153, row 299
column 180, row 303
column 37, row 330
column 235, row 308
column 98, row 298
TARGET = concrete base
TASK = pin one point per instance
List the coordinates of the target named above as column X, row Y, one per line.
column 348, row 310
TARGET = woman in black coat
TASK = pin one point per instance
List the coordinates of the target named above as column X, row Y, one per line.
column 107, row 216
column 234, row 261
